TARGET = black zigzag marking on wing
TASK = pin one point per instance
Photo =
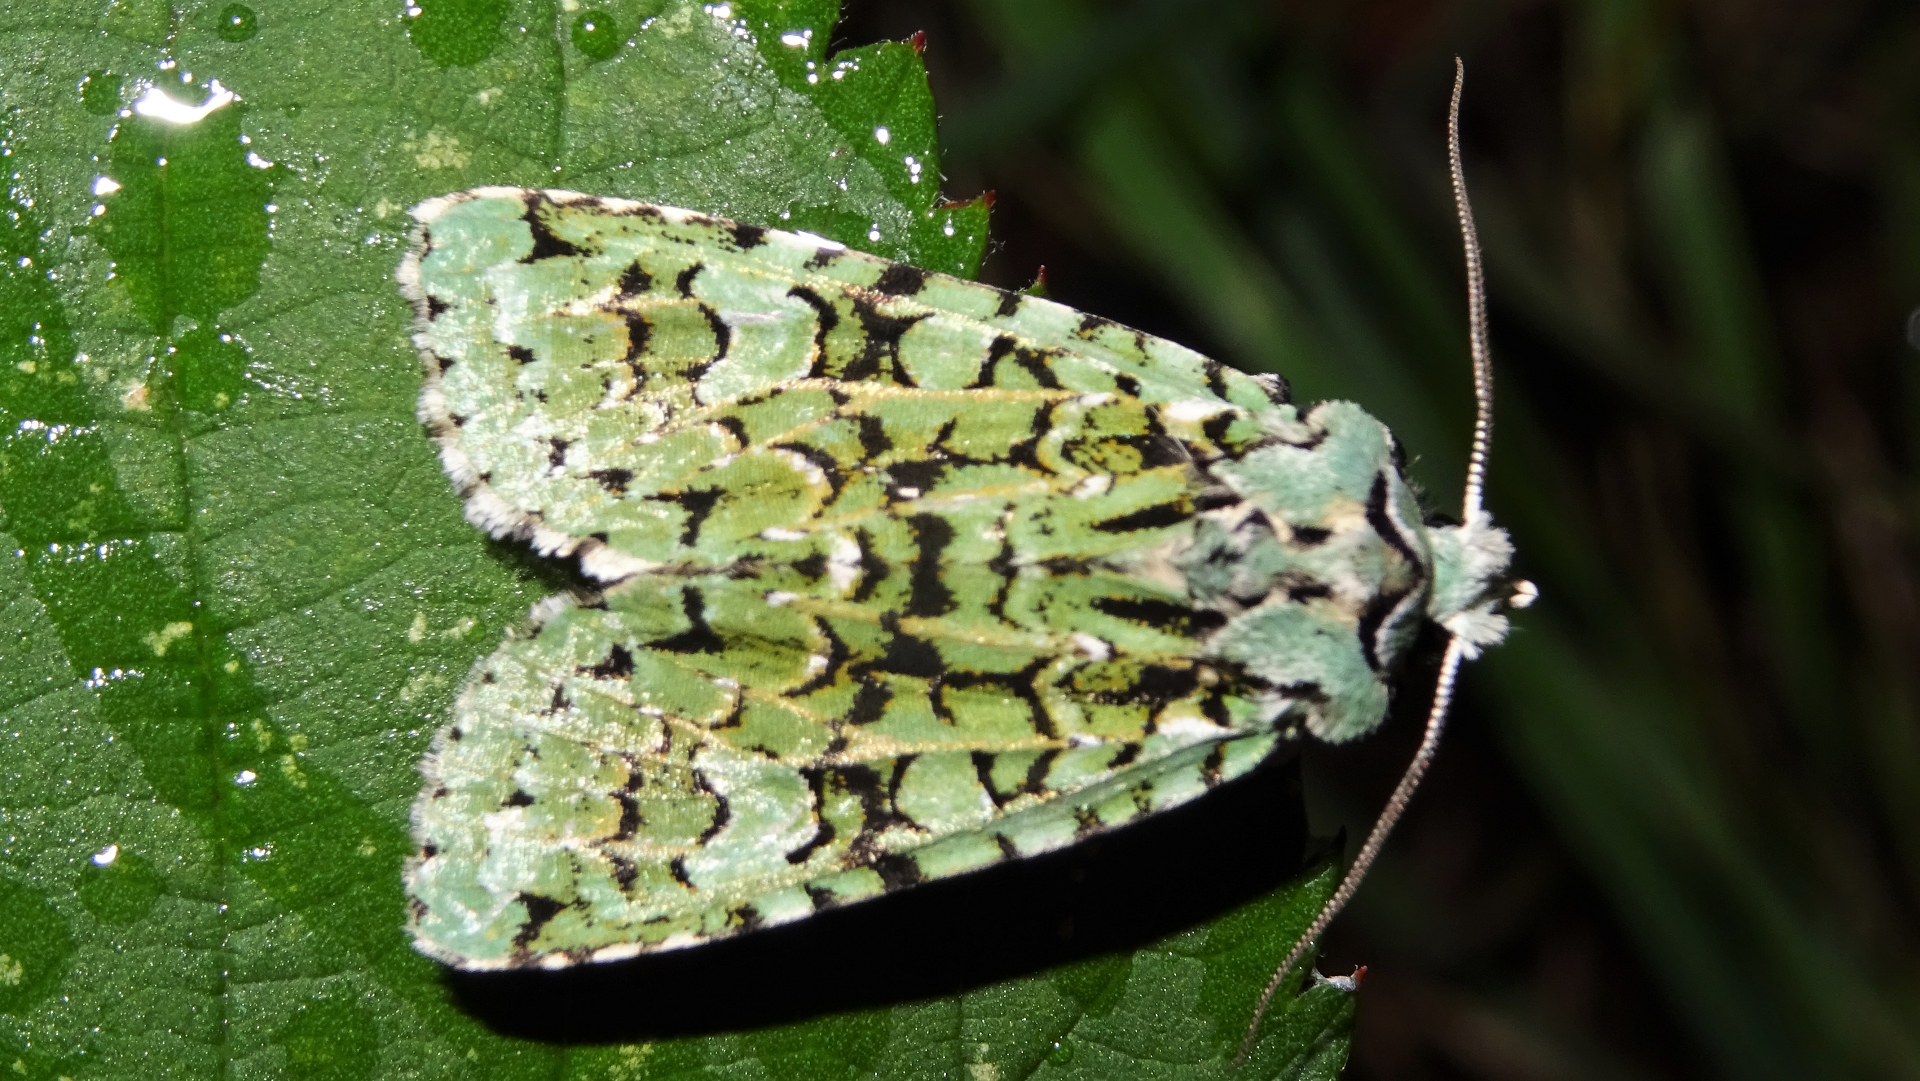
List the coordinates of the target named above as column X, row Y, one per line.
column 829, row 674
column 639, row 342
column 614, row 481
column 1002, row 346
column 618, row 665
column 869, row 700
column 1217, row 378
column 722, row 342
column 827, row 464
column 1157, row 516
column 1155, row 450
column 1216, row 427
column 1034, row 782
column 698, row 637
column 873, row 569
column 546, row 245
column 1275, row 387
column 630, row 820
column 908, row 655
column 921, row 474
column 928, row 595
column 825, row 319
column 635, row 280
column 823, row 832
column 1165, row 615
column 1372, row 617
column 540, row 911
column 697, row 502
column 1022, row 684
column 1035, row 363
column 901, row 280
column 746, row 236
column 874, row 440
column 1155, row 686
column 878, row 812
column 1210, row 768
column 722, row 809
column 882, row 342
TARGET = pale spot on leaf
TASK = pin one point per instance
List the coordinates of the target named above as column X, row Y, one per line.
column 160, row 640
column 438, row 151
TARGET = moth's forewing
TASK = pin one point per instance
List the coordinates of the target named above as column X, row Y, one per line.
column 911, row 575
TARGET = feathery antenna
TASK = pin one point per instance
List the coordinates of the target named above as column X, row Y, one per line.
column 1456, row 648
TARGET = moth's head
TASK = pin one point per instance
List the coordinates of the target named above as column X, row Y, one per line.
column 1471, row 586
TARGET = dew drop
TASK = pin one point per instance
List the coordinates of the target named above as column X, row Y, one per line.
column 117, row 887
column 237, row 23
column 594, row 34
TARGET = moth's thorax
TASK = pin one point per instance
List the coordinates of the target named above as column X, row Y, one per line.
column 1322, row 566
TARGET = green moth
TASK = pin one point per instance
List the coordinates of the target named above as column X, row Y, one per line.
column 902, row 575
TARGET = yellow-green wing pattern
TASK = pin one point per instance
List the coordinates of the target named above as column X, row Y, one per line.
column 905, row 575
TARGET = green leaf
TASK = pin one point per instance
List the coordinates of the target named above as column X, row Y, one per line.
column 241, row 593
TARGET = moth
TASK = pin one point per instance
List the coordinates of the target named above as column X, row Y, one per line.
column 900, row 575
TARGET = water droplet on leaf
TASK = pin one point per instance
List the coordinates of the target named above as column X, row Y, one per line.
column 594, row 34
column 121, row 890
column 237, row 23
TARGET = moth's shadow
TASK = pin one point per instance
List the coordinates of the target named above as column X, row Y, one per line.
column 1119, row 891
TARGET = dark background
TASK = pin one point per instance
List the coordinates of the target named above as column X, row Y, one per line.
column 1676, row 829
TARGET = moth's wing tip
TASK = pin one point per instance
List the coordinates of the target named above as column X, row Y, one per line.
column 428, row 211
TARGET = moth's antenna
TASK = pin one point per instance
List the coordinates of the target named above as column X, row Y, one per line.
column 1376, row 840
column 1456, row 648
column 1476, row 310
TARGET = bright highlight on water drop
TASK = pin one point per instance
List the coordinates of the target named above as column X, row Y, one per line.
column 157, row 105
